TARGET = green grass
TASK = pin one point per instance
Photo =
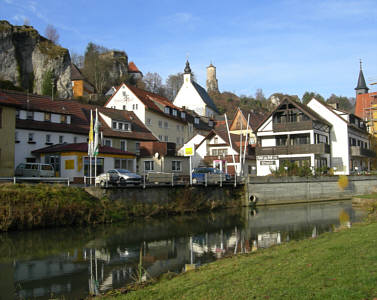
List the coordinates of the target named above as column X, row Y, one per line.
column 339, row 265
column 368, row 196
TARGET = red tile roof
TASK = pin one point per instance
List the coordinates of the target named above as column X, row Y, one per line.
column 132, row 68
column 80, row 147
column 363, row 104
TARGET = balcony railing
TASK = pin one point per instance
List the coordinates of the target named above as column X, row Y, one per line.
column 358, row 151
column 294, row 149
column 292, row 126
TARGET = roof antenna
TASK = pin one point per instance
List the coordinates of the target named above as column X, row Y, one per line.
column 361, row 65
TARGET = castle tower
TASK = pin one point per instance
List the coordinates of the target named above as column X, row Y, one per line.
column 212, row 84
column 361, row 85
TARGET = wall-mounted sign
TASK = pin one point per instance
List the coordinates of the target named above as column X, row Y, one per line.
column 267, row 157
column 189, row 151
column 267, row 162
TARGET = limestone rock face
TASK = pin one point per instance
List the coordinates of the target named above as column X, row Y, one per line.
column 25, row 57
column 118, row 64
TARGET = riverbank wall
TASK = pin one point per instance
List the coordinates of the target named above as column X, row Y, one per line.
column 178, row 198
column 284, row 190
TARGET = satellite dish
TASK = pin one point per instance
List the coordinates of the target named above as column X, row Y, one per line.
column 157, row 155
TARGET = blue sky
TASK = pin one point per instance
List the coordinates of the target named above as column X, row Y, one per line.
column 287, row 46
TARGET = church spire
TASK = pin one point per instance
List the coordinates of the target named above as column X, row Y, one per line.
column 361, row 85
column 187, row 68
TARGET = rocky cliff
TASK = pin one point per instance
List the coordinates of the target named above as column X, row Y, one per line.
column 26, row 56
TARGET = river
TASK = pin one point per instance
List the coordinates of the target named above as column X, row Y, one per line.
column 73, row 262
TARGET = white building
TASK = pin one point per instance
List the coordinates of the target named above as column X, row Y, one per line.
column 348, row 137
column 292, row 132
column 192, row 96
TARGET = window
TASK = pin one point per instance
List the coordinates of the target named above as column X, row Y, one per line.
column 148, row 165
column 174, row 112
column 196, row 120
column 183, row 115
column 176, row 165
column 100, row 165
column 127, row 164
column 124, row 107
column 210, row 123
column 160, row 137
column 149, row 121
column 107, row 142
column 124, row 93
column 120, row 126
column 167, row 110
column 114, row 125
column 160, row 123
column 166, row 138
column 61, row 139
column 17, row 114
column 166, row 124
column 63, row 119
column 216, row 140
column 127, row 127
column 137, row 147
column 281, row 140
column 48, row 138
column 31, row 137
column 75, row 139
column 123, row 145
column 47, row 117
column 134, row 106
column 16, row 136
column 178, row 140
column 30, row 115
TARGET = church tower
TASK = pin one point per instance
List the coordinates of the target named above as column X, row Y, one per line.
column 212, row 84
column 361, row 85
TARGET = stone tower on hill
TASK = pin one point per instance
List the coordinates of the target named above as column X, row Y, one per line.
column 212, row 84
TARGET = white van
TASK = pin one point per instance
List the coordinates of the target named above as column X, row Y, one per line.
column 35, row 170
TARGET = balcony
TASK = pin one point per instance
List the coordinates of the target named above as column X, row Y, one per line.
column 294, row 149
column 358, row 151
column 292, row 126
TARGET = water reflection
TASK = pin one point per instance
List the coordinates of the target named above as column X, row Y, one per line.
column 75, row 262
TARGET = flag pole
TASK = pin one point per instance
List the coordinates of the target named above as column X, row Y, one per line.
column 96, row 146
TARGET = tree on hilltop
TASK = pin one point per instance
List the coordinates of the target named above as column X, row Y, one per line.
column 310, row 95
column 52, row 34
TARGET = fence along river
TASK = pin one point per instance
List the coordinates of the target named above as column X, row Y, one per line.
column 73, row 262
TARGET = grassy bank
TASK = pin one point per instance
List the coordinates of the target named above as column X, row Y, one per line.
column 340, row 265
column 25, row 206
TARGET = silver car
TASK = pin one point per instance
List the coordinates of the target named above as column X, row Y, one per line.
column 118, row 177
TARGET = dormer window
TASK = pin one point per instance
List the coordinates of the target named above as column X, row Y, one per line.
column 196, row 120
column 174, row 112
column 127, row 127
column 120, row 126
column 167, row 110
column 183, row 115
column 114, row 125
column 30, row 115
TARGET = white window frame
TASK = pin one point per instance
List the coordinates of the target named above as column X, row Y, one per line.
column 196, row 120
column 61, row 139
column 160, row 123
column 106, row 142
column 150, row 164
column 175, row 112
column 125, row 145
column 166, row 124
column 166, row 138
column 176, row 165
column 183, row 115
column 167, row 110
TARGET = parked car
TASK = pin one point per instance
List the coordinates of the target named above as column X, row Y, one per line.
column 34, row 170
column 118, row 177
column 213, row 175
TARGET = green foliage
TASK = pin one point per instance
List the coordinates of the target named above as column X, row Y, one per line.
column 48, row 84
column 310, row 95
column 288, row 168
column 8, row 85
column 52, row 50
column 343, row 102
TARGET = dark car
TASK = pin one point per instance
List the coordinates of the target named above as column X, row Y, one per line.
column 213, row 175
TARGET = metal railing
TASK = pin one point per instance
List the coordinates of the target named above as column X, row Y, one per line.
column 36, row 179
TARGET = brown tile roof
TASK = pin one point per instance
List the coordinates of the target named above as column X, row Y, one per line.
column 80, row 116
column 76, row 73
column 132, row 68
column 80, row 147
column 235, row 138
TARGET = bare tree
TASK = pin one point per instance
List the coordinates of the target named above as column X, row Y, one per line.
column 77, row 59
column 153, row 83
column 52, row 34
column 26, row 21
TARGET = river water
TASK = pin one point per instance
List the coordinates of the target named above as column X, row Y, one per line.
column 73, row 262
